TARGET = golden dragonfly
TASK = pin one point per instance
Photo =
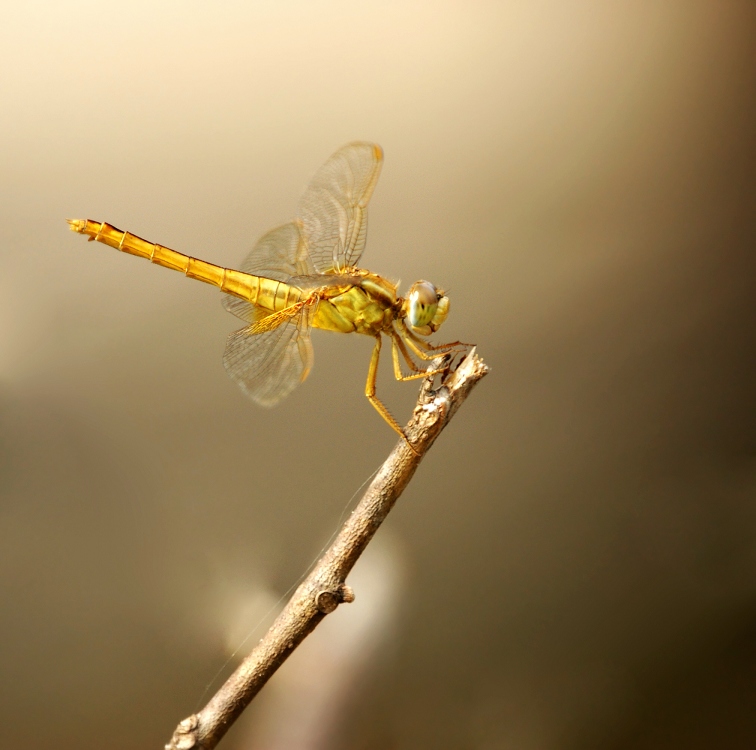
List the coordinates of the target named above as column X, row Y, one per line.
column 304, row 275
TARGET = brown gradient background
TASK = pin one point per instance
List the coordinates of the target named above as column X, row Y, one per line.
column 574, row 564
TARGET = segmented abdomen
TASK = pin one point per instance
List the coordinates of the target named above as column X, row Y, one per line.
column 266, row 293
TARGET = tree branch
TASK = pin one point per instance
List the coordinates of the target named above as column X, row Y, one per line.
column 324, row 589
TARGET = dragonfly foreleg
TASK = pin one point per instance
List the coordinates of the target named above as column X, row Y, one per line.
column 397, row 345
column 375, row 401
column 425, row 350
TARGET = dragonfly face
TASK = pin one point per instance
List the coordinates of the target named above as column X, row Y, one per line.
column 304, row 275
column 427, row 308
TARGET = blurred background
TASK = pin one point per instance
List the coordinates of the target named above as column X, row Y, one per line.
column 574, row 563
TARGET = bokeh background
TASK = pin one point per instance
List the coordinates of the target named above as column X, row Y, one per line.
column 574, row 564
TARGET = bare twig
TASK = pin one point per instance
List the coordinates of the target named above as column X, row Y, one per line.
column 324, row 589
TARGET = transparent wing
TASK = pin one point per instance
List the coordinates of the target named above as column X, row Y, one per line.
column 280, row 254
column 268, row 366
column 333, row 209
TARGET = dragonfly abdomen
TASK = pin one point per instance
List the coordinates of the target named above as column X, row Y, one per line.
column 266, row 293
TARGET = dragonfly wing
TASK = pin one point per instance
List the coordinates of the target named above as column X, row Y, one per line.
column 280, row 254
column 333, row 209
column 267, row 366
column 243, row 309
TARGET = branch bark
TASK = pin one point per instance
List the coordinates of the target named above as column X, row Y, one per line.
column 325, row 588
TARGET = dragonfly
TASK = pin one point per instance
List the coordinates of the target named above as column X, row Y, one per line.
column 304, row 275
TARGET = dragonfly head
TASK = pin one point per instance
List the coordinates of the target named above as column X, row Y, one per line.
column 426, row 308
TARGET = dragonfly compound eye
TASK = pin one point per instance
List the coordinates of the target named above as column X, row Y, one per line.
column 423, row 302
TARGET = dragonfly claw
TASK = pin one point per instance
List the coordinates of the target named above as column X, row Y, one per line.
column 409, row 445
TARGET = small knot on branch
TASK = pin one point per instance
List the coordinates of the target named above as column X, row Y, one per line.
column 185, row 735
column 347, row 595
column 327, row 600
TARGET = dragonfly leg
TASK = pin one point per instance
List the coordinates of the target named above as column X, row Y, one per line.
column 431, row 353
column 397, row 346
column 375, row 401
column 423, row 349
